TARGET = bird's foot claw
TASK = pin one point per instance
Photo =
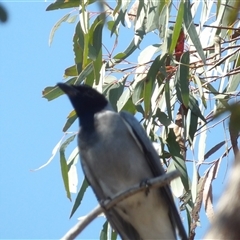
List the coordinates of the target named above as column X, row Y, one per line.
column 104, row 202
column 145, row 183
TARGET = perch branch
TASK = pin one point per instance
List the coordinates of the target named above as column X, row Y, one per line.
column 107, row 204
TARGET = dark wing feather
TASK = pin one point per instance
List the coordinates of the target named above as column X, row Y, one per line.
column 157, row 169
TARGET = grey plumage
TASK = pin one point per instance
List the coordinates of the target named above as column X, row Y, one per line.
column 115, row 154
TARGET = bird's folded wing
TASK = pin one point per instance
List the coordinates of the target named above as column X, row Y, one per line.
column 152, row 157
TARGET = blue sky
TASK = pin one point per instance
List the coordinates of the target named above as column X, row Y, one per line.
column 34, row 204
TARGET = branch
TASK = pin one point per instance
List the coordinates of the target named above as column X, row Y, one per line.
column 107, row 204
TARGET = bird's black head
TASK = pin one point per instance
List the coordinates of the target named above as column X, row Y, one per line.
column 85, row 100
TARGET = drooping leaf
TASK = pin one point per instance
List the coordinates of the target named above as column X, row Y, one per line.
column 84, row 74
column 137, row 96
column 183, row 78
column 64, row 166
column 126, row 95
column 70, row 120
column 113, row 93
column 54, row 152
column 193, row 105
column 179, row 162
column 51, row 93
column 56, row 26
column 193, row 127
column 163, row 118
column 80, row 195
column 157, row 65
column 97, row 45
column 191, row 30
column 214, row 149
column 178, row 34
column 104, row 232
column 123, row 55
column 176, row 184
column 121, row 14
column 61, row 4
column 78, row 45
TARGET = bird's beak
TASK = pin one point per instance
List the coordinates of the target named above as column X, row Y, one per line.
column 68, row 89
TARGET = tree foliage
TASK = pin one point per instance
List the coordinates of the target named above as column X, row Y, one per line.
column 173, row 64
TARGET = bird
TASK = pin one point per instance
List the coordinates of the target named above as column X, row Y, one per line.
column 115, row 154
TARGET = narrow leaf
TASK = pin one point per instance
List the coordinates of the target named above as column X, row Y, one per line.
column 56, row 26
column 54, row 151
column 183, row 78
column 51, row 93
column 177, row 27
column 214, row 149
column 179, row 162
column 64, row 166
column 70, row 71
column 71, row 119
column 188, row 21
column 79, row 198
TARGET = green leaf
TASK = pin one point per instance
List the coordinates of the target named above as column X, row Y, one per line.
column 200, row 89
column 214, row 149
column 163, row 118
column 71, row 119
column 104, row 232
column 179, row 162
column 80, row 195
column 126, row 95
column 51, row 93
column 121, row 14
column 78, row 45
column 177, row 27
column 183, row 78
column 129, row 107
column 157, row 65
column 119, row 4
column 70, row 71
column 84, row 23
column 110, row 25
column 61, row 4
column 123, row 55
column 84, row 74
column 168, row 99
column 137, row 95
column 192, row 127
column 193, row 105
column 164, row 19
column 97, row 45
column 114, row 235
column 72, row 19
column 176, row 184
column 64, row 166
column 189, row 24
column 56, row 26
column 113, row 91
